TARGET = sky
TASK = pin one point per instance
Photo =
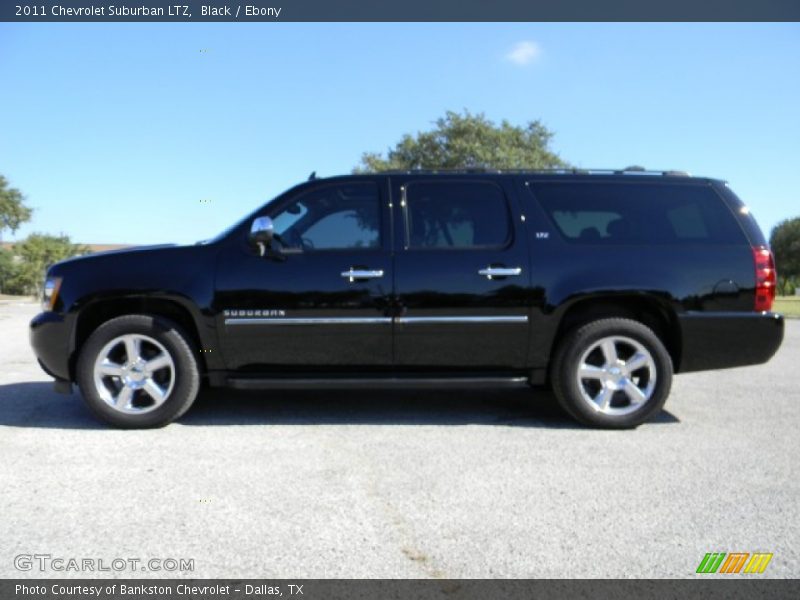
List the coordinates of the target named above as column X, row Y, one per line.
column 165, row 132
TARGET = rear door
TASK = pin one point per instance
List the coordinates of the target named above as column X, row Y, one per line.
column 461, row 274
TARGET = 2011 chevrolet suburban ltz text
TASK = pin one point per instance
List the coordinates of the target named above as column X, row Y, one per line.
column 600, row 283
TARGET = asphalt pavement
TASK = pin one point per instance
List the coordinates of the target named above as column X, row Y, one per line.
column 391, row 484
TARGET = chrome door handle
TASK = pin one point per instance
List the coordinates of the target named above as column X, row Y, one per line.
column 493, row 272
column 356, row 274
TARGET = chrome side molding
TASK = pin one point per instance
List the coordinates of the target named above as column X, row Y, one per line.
column 433, row 320
column 372, row 320
column 311, row 321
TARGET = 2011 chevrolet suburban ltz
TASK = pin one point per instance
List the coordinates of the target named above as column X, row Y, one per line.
column 600, row 283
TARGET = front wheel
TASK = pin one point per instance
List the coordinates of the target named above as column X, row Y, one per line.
column 138, row 371
column 612, row 373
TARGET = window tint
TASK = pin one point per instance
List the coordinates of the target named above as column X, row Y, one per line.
column 452, row 214
column 687, row 222
column 331, row 217
column 638, row 213
column 585, row 224
column 342, row 229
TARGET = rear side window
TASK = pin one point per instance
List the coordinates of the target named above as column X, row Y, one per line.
column 454, row 214
column 637, row 213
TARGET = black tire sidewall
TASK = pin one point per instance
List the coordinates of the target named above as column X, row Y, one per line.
column 571, row 350
column 167, row 333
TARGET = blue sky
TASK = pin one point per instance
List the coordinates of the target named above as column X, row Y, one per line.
column 116, row 132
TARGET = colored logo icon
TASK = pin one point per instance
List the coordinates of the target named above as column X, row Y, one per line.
column 734, row 562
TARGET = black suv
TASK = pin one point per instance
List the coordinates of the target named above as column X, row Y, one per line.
column 600, row 283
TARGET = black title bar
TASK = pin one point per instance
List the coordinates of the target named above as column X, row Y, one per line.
column 405, row 10
column 733, row 588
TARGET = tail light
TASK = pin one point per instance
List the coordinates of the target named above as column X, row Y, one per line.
column 766, row 278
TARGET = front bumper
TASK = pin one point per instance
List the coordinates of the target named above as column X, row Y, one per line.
column 728, row 339
column 50, row 336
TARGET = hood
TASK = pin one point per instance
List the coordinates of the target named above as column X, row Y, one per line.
column 109, row 253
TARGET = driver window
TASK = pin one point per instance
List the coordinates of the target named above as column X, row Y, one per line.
column 333, row 217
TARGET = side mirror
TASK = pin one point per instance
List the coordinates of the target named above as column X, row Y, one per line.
column 261, row 233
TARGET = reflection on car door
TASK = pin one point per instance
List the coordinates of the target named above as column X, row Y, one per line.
column 461, row 274
column 322, row 299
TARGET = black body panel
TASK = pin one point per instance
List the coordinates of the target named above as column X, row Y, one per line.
column 314, row 303
column 429, row 315
column 298, row 310
column 50, row 336
column 179, row 279
column 450, row 316
column 722, row 340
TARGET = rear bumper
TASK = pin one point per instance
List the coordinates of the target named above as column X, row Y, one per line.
column 722, row 340
column 50, row 340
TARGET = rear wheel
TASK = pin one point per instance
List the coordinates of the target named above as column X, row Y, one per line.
column 138, row 371
column 612, row 373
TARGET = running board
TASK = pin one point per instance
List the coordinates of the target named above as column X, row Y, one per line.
column 344, row 383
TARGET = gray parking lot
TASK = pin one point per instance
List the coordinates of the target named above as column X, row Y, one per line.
column 460, row 484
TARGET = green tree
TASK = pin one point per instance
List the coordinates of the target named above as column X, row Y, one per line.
column 785, row 243
column 13, row 211
column 8, row 270
column 37, row 252
column 468, row 140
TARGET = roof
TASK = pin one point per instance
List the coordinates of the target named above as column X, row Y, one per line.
column 634, row 171
column 629, row 174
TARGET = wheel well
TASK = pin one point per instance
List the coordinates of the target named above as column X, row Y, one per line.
column 97, row 313
column 647, row 311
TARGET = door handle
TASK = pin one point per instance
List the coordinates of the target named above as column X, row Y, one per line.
column 499, row 272
column 358, row 274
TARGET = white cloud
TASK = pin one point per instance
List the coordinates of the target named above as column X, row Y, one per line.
column 524, row 53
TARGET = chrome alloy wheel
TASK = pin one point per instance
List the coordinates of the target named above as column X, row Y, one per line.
column 134, row 374
column 616, row 375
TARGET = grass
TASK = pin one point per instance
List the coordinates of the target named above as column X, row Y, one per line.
column 788, row 306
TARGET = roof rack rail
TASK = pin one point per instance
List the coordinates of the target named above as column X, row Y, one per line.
column 632, row 170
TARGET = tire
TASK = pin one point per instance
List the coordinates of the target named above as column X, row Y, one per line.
column 151, row 391
column 606, row 397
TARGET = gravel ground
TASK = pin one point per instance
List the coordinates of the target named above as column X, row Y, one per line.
column 459, row 484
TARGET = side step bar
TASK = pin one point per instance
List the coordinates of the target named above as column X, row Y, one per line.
column 342, row 383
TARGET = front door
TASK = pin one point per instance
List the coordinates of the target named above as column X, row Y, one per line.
column 461, row 275
column 321, row 298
